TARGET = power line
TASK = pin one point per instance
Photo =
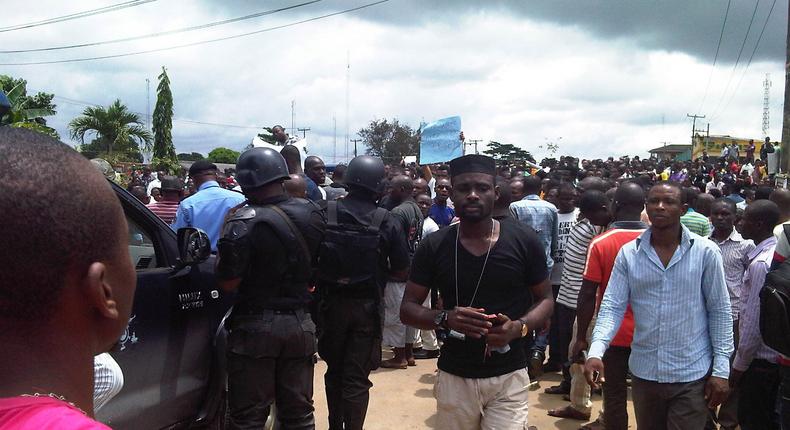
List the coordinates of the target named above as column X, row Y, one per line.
column 737, row 60
column 715, row 57
column 83, row 14
column 163, row 33
column 73, row 60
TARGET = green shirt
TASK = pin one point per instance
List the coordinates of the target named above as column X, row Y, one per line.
column 696, row 223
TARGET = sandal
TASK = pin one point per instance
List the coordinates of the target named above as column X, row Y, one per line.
column 595, row 425
column 569, row 412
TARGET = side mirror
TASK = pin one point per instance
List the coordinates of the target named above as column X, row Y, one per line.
column 194, row 246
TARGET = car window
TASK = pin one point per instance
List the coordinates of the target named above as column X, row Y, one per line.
column 141, row 246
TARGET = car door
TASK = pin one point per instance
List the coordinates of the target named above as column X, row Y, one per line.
column 166, row 351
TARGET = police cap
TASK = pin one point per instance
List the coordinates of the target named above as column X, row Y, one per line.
column 260, row 166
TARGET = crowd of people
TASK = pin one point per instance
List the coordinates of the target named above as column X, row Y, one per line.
column 627, row 271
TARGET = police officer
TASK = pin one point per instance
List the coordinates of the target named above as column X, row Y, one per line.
column 267, row 253
column 363, row 246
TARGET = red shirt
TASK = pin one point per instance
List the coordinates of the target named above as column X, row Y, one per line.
column 43, row 413
column 165, row 210
column 600, row 261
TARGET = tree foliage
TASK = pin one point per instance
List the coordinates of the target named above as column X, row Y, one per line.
column 268, row 136
column 162, row 122
column 390, row 140
column 195, row 156
column 115, row 129
column 223, row 155
column 27, row 111
column 507, row 151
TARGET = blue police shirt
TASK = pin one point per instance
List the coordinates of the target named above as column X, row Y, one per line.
column 206, row 210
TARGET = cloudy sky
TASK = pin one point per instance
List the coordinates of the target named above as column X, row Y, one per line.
column 599, row 77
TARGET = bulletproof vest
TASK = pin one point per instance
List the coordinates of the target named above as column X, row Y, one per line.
column 349, row 254
column 290, row 220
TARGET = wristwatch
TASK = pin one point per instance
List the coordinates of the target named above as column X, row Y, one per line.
column 440, row 320
column 524, row 327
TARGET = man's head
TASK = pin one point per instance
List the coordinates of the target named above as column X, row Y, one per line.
column 172, row 188
column 781, row 196
column 665, row 205
column 591, row 183
column 139, row 193
column 401, row 189
column 424, row 202
column 566, row 198
column 722, row 214
column 759, row 220
column 314, row 169
column 517, row 188
column 552, row 196
column 703, row 203
column 202, row 171
column 443, row 171
column 69, row 274
column 156, row 194
column 338, row 173
column 628, row 202
column 595, row 207
column 279, row 134
column 443, row 188
column 296, row 186
column 420, row 187
column 532, row 185
column 474, row 190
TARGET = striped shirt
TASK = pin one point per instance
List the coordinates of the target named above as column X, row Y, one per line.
column 542, row 217
column 165, row 210
column 696, row 222
column 682, row 313
column 733, row 252
column 575, row 256
column 750, row 342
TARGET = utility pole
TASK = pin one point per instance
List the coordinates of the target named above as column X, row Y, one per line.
column 334, row 145
column 784, row 153
column 474, row 142
column 293, row 130
column 148, row 112
column 348, row 92
column 304, row 132
column 355, row 145
column 694, row 128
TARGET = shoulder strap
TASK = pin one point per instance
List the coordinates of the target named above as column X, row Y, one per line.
column 331, row 212
column 378, row 218
column 298, row 234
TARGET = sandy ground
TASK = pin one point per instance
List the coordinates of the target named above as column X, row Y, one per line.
column 403, row 399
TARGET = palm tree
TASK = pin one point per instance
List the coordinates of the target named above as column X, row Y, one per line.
column 23, row 116
column 114, row 127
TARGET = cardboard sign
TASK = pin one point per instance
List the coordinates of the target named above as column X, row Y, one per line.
column 440, row 141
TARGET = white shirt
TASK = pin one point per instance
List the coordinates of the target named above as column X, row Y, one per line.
column 429, row 226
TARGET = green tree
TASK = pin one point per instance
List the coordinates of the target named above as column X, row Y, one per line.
column 268, row 136
column 26, row 111
column 163, row 120
column 223, row 155
column 115, row 129
column 195, row 156
column 507, row 151
column 390, row 140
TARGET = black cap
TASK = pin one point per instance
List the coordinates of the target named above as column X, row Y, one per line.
column 472, row 163
column 171, row 183
column 201, row 166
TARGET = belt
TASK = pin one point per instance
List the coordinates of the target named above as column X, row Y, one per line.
column 260, row 311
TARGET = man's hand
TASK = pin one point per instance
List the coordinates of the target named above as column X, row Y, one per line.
column 593, row 371
column 503, row 331
column 716, row 391
column 735, row 377
column 472, row 322
column 578, row 347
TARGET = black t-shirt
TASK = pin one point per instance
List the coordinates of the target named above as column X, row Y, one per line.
column 411, row 219
column 393, row 249
column 517, row 262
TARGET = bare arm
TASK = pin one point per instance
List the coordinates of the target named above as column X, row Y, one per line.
column 426, row 172
column 585, row 309
column 472, row 322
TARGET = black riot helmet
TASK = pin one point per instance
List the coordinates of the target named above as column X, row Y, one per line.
column 365, row 171
column 260, row 166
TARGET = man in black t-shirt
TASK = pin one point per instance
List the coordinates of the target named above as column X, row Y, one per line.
column 493, row 280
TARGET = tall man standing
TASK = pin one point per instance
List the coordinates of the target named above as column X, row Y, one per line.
column 206, row 209
column 496, row 288
column 441, row 212
column 674, row 281
column 266, row 252
column 363, row 247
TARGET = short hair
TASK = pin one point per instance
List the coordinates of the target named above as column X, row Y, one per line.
column 339, row 171
column 57, row 222
column 674, row 185
column 591, row 200
column 727, row 202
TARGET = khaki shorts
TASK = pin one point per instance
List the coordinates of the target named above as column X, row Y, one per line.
column 497, row 403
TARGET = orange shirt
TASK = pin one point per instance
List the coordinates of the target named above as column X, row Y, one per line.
column 600, row 261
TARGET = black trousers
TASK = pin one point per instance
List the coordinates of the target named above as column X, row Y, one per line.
column 676, row 406
column 757, row 391
column 560, row 338
column 271, row 357
column 615, row 389
column 350, row 343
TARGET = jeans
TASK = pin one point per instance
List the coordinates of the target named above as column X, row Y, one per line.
column 757, row 392
column 350, row 343
column 615, row 390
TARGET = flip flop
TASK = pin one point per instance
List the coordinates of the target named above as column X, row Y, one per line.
column 390, row 364
column 569, row 412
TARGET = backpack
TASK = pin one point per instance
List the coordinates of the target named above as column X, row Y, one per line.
column 349, row 254
column 775, row 306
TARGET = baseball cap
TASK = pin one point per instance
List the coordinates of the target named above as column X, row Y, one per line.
column 201, row 166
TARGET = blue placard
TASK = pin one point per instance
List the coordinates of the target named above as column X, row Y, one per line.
column 440, row 141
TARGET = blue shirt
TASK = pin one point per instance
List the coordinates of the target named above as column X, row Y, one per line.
column 206, row 210
column 313, row 192
column 442, row 215
column 682, row 315
column 542, row 217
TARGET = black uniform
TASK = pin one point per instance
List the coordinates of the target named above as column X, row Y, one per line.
column 271, row 346
column 350, row 310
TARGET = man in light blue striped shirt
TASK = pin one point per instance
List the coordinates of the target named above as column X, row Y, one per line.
column 674, row 281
